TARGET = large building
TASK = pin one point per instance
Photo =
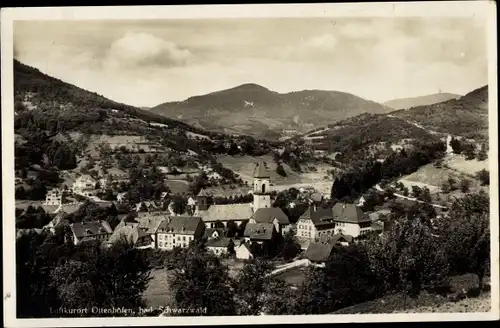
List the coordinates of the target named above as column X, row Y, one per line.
column 85, row 185
column 85, row 231
column 54, row 197
column 347, row 219
column 179, row 231
column 272, row 215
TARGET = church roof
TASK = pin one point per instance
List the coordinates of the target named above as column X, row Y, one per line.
column 260, row 170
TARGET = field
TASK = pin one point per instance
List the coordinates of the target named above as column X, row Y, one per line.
column 177, row 186
column 158, row 294
column 24, row 204
column 293, row 276
column 454, row 166
column 244, row 166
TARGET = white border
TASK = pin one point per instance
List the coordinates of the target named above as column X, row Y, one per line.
column 484, row 9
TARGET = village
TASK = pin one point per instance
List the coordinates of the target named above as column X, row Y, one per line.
column 224, row 227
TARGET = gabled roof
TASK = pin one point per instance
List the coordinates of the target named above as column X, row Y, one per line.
column 229, row 212
column 268, row 214
column 218, row 242
column 210, row 231
column 259, row 231
column 318, row 252
column 180, row 224
column 151, row 222
column 318, row 215
column 86, row 177
column 339, row 238
column 350, row 213
column 82, row 229
column 204, row 193
column 260, row 170
column 130, row 233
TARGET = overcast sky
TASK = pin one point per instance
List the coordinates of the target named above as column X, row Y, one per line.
column 145, row 63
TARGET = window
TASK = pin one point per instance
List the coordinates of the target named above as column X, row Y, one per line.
column 263, row 188
column 160, row 244
column 183, row 238
column 173, row 240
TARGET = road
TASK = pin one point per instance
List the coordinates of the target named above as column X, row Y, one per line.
column 409, row 198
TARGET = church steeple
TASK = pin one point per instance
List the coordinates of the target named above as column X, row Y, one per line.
column 261, row 186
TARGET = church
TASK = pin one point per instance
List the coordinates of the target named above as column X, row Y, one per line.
column 237, row 213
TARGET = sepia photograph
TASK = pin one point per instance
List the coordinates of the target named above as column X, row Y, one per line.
column 250, row 163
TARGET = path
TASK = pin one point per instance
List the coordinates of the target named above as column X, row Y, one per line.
column 377, row 186
column 288, row 266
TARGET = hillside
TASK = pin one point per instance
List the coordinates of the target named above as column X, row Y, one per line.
column 403, row 103
column 255, row 110
column 466, row 116
column 367, row 132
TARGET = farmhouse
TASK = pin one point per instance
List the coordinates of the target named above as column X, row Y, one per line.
column 133, row 235
column 179, row 231
column 318, row 253
column 218, row 245
column 148, row 223
column 350, row 219
column 85, row 231
column 272, row 215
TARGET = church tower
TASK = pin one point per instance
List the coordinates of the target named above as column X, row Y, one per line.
column 261, row 187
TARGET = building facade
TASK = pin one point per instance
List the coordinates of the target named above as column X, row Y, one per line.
column 179, row 231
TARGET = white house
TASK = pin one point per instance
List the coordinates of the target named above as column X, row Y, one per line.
column 54, row 197
column 85, row 186
column 243, row 252
column 179, row 231
column 85, row 231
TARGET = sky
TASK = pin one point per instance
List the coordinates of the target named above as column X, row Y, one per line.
column 148, row 62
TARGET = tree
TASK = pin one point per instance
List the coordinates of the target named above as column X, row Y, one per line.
column 251, row 287
column 452, row 183
column 179, row 205
column 416, row 191
column 484, row 177
column 201, row 281
column 280, row 170
column 466, row 234
column 456, row 146
column 482, row 154
column 426, row 195
column 464, row 185
column 347, row 279
column 230, row 247
column 291, row 247
column 409, row 258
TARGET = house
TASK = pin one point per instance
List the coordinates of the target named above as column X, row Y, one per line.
column 85, row 231
column 214, row 176
column 212, row 233
column 218, row 245
column 315, row 197
column 243, row 252
column 272, row 215
column 22, row 232
column 179, row 231
column 314, row 222
column 148, row 223
column 260, row 232
column 318, row 253
column 350, row 219
column 341, row 240
column 343, row 218
column 54, row 197
column 148, row 206
column 134, row 235
column 85, row 185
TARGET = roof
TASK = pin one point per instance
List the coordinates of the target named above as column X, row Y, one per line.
column 378, row 226
column 204, row 193
column 180, row 224
column 259, row 231
column 82, row 229
column 86, row 177
column 318, row 215
column 210, row 231
column 260, row 170
column 338, row 238
column 218, row 242
column 130, row 233
column 229, row 212
column 318, row 252
column 69, row 208
column 346, row 212
column 224, row 191
column 268, row 214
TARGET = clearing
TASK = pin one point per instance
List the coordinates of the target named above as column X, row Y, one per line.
column 158, row 293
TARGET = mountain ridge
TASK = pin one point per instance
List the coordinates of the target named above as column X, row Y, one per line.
column 253, row 109
column 403, row 103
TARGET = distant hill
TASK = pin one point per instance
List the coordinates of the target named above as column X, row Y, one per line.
column 367, row 132
column 420, row 101
column 60, row 105
column 466, row 116
column 256, row 110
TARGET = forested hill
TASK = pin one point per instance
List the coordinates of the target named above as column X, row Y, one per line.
column 255, row 110
column 54, row 105
column 466, row 116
